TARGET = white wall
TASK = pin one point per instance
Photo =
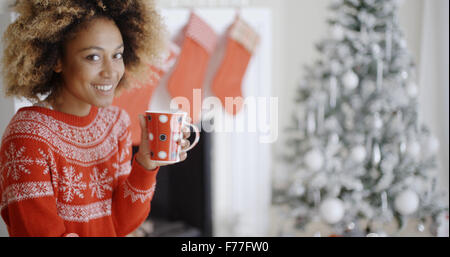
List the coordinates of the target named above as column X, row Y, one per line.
column 6, row 105
column 434, row 79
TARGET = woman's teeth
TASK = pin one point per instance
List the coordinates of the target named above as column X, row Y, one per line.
column 103, row 87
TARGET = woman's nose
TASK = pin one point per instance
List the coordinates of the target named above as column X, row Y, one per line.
column 107, row 69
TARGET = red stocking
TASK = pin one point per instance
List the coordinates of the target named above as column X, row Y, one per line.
column 241, row 43
column 199, row 40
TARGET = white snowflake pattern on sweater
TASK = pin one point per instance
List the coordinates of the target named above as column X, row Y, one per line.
column 47, row 161
column 71, row 184
column 16, row 162
column 100, row 182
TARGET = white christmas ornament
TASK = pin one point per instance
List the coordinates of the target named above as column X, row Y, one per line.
column 337, row 32
column 403, row 44
column 377, row 121
column 406, row 202
column 358, row 153
column 376, row 50
column 413, row 149
column 314, row 160
column 411, row 90
column 332, row 210
column 350, row 80
column 432, row 145
column 335, row 66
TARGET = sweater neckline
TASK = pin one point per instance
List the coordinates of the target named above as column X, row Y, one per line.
column 67, row 118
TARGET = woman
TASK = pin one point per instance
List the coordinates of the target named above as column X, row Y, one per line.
column 65, row 162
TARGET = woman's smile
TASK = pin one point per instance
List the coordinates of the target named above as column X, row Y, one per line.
column 105, row 88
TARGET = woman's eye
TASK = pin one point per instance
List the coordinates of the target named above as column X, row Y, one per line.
column 118, row 56
column 93, row 57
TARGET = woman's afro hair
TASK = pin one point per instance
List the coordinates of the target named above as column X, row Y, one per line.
column 33, row 42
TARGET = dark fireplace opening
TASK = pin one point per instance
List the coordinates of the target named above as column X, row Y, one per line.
column 181, row 205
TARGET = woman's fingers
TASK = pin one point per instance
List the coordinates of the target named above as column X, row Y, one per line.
column 183, row 156
column 186, row 132
column 184, row 143
column 185, row 129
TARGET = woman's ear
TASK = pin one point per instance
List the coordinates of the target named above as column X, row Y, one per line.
column 58, row 66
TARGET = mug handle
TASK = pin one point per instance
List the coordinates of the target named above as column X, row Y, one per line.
column 197, row 137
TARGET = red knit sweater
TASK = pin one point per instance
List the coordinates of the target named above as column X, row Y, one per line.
column 63, row 174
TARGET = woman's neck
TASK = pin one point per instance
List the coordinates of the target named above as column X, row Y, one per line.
column 66, row 103
column 81, row 110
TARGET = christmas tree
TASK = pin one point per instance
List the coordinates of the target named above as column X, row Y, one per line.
column 356, row 148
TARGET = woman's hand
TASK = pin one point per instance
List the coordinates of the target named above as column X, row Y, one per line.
column 143, row 154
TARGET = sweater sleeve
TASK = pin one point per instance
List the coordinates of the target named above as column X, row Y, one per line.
column 131, row 202
column 28, row 204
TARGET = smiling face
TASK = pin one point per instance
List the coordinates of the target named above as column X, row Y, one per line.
column 91, row 67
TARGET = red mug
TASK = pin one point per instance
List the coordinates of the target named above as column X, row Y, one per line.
column 164, row 129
